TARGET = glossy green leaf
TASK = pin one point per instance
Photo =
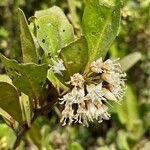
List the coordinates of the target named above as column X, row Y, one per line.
column 130, row 60
column 9, row 101
column 100, row 24
column 53, row 30
column 75, row 57
column 28, row 78
column 26, row 108
column 27, row 42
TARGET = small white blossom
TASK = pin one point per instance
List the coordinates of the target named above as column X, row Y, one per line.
column 96, row 66
column 113, row 78
column 109, row 95
column 91, row 111
column 74, row 97
column 67, row 113
column 111, row 65
column 99, row 66
column 95, row 92
column 98, row 112
column 118, row 91
column 57, row 66
column 103, row 114
column 77, row 80
column 81, row 115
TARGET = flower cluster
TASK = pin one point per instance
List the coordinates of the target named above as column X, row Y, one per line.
column 85, row 102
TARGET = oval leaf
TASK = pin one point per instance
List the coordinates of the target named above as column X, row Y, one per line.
column 130, row 60
column 9, row 101
column 75, row 57
column 27, row 42
column 28, row 78
column 53, row 30
column 100, row 24
column 128, row 111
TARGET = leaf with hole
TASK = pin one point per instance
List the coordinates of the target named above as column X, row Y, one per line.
column 53, row 30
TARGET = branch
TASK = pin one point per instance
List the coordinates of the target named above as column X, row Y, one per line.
column 24, row 128
column 38, row 112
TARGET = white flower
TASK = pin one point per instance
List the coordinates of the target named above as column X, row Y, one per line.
column 111, row 65
column 91, row 111
column 67, row 115
column 88, row 93
column 77, row 80
column 95, row 92
column 81, row 115
column 74, row 97
column 103, row 114
column 96, row 66
column 113, row 78
column 118, row 91
column 98, row 112
column 109, row 95
column 57, row 66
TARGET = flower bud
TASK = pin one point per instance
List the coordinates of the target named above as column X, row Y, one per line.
column 109, row 95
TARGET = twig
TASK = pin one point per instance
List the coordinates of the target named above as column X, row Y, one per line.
column 24, row 128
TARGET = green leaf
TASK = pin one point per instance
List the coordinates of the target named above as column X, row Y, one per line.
column 128, row 110
column 9, row 101
column 100, row 24
column 34, row 133
column 103, row 148
column 122, row 140
column 26, row 108
column 74, row 18
column 130, row 60
column 75, row 57
column 27, row 42
column 5, row 78
column 52, row 77
column 28, row 78
column 75, row 146
column 7, row 137
column 45, row 141
column 7, row 117
column 53, row 30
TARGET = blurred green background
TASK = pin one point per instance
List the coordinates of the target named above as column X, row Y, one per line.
column 129, row 126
